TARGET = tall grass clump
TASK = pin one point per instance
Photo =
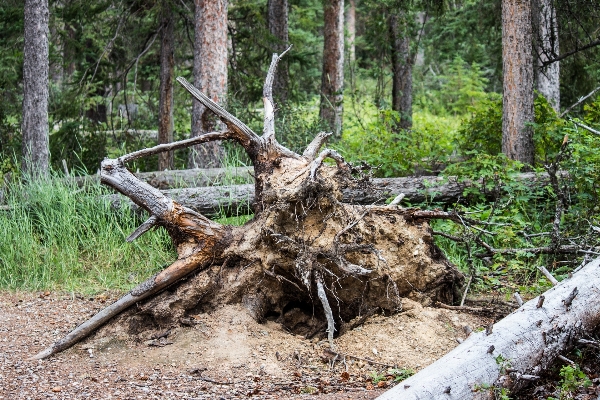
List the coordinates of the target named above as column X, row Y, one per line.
column 58, row 236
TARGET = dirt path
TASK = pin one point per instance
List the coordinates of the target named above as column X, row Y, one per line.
column 225, row 354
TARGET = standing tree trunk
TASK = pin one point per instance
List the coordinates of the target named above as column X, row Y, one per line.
column 278, row 26
column 210, row 76
column 402, row 69
column 34, row 127
column 547, row 77
column 332, row 78
column 167, row 74
column 517, row 68
column 351, row 28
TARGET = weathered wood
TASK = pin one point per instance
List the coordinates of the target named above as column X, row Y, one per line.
column 185, row 178
column 231, row 200
column 302, row 233
column 525, row 343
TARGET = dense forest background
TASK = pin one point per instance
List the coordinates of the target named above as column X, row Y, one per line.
column 104, row 61
column 421, row 92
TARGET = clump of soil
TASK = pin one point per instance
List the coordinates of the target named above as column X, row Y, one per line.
column 221, row 353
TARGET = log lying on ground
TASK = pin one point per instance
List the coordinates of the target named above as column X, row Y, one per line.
column 517, row 350
column 304, row 248
column 185, row 178
column 236, row 199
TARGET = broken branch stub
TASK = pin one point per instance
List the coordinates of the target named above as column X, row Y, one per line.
column 305, row 246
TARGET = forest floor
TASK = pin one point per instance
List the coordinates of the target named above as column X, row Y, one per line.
column 224, row 354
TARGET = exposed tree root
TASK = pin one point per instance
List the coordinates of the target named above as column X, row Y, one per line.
column 303, row 244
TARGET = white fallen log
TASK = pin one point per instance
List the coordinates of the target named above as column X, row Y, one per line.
column 236, row 199
column 520, row 347
column 185, row 178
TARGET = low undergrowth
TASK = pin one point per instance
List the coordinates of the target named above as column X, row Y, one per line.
column 59, row 236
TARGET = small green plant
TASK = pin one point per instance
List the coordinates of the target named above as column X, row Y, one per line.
column 573, row 379
column 401, row 374
column 308, row 390
column 376, row 377
column 503, row 363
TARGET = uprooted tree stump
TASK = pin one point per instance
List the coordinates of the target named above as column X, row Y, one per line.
column 304, row 246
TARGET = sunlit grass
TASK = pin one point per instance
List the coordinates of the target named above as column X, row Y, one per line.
column 56, row 235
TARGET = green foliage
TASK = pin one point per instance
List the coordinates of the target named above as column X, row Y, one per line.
column 376, row 377
column 401, row 374
column 456, row 88
column 398, row 152
column 59, row 236
column 482, row 131
column 573, row 379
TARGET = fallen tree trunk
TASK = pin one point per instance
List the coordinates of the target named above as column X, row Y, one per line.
column 303, row 249
column 238, row 199
column 185, row 178
column 517, row 350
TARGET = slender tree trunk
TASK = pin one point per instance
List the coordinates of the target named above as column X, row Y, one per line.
column 351, row 28
column 210, row 77
column 517, row 65
column 167, row 73
column 278, row 26
column 401, row 69
column 548, row 77
column 34, row 127
column 332, row 78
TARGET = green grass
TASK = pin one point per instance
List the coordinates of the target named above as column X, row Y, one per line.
column 60, row 237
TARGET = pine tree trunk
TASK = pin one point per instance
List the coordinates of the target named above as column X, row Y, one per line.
column 548, row 77
column 517, row 68
column 34, row 126
column 278, row 26
column 401, row 69
column 332, row 78
column 210, row 77
column 351, row 28
column 167, row 72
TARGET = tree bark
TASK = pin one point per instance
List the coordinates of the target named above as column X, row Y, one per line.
column 547, row 48
column 332, row 77
column 303, row 248
column 210, row 77
column 351, row 29
column 238, row 199
column 517, row 68
column 34, row 127
column 167, row 74
column 278, row 26
column 518, row 349
column 402, row 69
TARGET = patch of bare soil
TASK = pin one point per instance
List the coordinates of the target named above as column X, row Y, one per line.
column 222, row 354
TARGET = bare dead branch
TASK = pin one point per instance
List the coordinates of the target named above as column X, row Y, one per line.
column 207, row 137
column 245, row 136
column 327, row 153
column 173, row 273
column 548, row 275
column 143, row 228
column 269, row 119
column 592, row 130
column 313, row 148
column 591, row 44
column 397, row 200
column 327, row 308
column 581, row 100
column 517, row 297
